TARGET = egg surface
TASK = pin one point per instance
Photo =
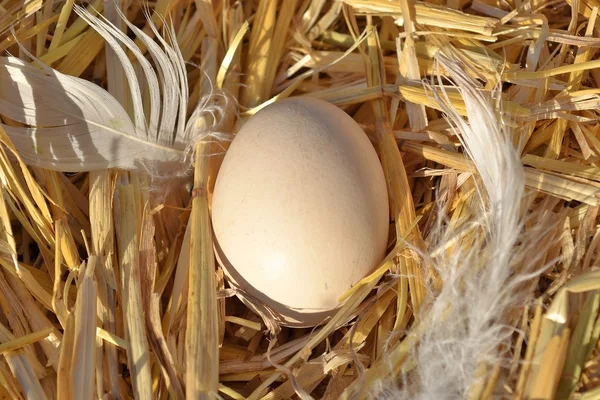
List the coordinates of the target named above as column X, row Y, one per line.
column 300, row 209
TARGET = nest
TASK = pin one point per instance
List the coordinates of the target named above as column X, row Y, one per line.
column 103, row 295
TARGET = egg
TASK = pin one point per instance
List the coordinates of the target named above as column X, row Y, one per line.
column 300, row 209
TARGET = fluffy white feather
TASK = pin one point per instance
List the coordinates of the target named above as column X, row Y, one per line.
column 464, row 324
column 73, row 125
column 467, row 324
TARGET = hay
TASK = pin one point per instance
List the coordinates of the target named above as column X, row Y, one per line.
column 108, row 283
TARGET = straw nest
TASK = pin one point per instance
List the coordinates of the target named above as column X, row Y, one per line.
column 95, row 304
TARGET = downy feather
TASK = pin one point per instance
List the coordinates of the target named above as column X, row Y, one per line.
column 467, row 329
column 74, row 125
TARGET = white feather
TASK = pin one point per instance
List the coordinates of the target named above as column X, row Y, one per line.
column 74, row 125
column 466, row 326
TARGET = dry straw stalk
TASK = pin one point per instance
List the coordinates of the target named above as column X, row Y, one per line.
column 109, row 287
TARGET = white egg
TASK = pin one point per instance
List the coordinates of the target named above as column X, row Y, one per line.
column 300, row 208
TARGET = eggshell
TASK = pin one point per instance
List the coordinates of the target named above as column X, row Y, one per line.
column 300, row 208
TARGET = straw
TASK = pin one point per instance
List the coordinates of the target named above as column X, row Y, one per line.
column 109, row 286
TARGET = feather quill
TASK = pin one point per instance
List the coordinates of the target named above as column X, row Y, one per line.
column 69, row 124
